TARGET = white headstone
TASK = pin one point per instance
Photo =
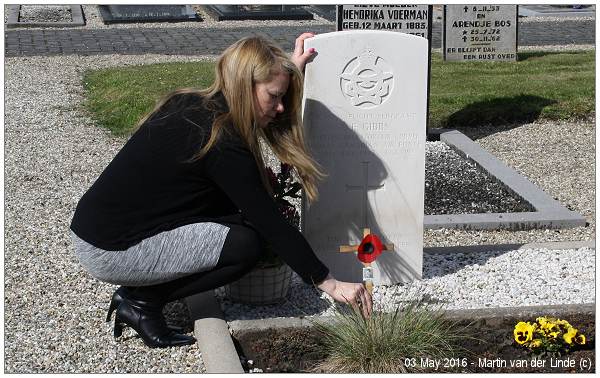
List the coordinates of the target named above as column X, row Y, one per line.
column 365, row 107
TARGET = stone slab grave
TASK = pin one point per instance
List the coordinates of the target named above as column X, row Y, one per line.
column 480, row 33
column 365, row 106
column 550, row 10
column 546, row 211
column 40, row 15
column 146, row 13
column 224, row 12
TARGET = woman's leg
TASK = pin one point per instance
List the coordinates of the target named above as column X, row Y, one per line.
column 241, row 250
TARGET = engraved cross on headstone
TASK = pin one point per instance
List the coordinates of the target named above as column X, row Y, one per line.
column 365, row 187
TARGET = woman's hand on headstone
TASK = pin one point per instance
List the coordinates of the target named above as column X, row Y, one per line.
column 300, row 55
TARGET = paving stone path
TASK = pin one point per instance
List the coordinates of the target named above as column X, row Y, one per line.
column 196, row 41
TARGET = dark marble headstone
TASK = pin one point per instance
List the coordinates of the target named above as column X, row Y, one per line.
column 411, row 19
column 328, row 12
column 146, row 13
column 224, row 12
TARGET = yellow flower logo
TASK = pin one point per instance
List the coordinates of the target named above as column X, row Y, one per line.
column 523, row 332
column 570, row 335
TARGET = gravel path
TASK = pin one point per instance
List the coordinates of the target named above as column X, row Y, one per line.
column 54, row 318
column 54, row 311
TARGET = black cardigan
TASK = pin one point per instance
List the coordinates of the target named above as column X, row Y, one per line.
column 151, row 186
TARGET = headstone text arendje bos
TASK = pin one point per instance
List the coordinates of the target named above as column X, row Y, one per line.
column 480, row 33
column 365, row 114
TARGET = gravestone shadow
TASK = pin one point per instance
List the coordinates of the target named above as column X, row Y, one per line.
column 525, row 55
column 484, row 118
column 373, row 171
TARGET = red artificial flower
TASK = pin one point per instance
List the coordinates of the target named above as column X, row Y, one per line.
column 370, row 248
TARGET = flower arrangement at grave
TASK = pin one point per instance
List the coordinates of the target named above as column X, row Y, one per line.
column 270, row 280
column 548, row 336
column 284, row 188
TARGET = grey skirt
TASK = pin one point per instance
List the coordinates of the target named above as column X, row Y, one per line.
column 160, row 258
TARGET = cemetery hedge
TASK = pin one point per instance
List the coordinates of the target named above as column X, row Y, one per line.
column 540, row 85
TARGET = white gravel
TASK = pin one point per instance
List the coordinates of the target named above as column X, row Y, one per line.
column 54, row 311
column 514, row 278
column 48, row 13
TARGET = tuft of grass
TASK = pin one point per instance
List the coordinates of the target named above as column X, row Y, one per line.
column 119, row 97
column 388, row 342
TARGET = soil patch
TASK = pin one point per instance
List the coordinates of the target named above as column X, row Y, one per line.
column 299, row 350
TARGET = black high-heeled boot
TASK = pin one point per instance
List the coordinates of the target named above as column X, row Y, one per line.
column 115, row 301
column 147, row 320
column 118, row 297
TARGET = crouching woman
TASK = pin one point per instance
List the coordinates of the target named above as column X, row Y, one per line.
column 185, row 206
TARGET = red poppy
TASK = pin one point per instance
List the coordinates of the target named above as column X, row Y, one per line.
column 370, row 248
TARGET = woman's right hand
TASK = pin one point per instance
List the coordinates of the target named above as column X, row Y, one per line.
column 355, row 294
column 300, row 55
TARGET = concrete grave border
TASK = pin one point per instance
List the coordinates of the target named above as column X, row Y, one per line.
column 549, row 212
column 492, row 314
column 15, row 10
column 212, row 334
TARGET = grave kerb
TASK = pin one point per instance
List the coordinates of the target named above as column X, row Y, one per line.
column 13, row 11
column 549, row 212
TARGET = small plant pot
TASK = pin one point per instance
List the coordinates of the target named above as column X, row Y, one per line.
column 261, row 286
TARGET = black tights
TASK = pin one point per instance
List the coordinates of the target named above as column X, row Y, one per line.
column 240, row 253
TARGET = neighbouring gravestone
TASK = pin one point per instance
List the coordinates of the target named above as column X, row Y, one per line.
column 223, row 12
column 146, row 13
column 365, row 107
column 480, row 33
column 411, row 19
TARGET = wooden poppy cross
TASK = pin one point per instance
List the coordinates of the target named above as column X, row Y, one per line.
column 368, row 251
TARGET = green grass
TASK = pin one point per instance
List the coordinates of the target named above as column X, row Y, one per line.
column 389, row 342
column 540, row 85
column 119, row 97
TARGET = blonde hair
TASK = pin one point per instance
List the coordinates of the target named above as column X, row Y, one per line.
column 249, row 61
